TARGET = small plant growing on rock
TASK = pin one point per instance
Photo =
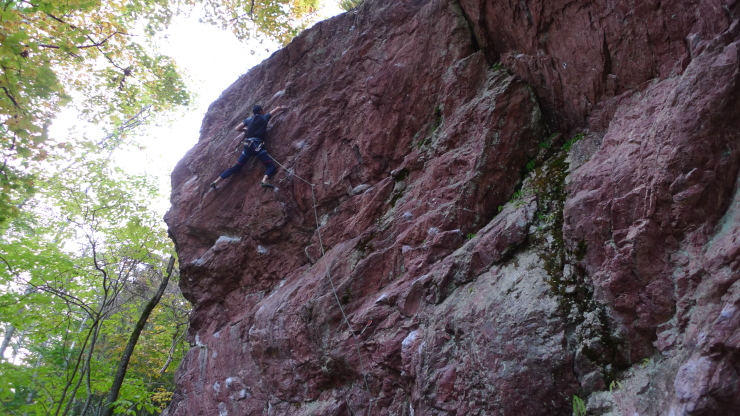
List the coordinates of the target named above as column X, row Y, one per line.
column 346, row 297
column 435, row 124
column 517, row 198
column 569, row 144
column 530, row 165
column 498, row 66
column 615, row 385
column 545, row 220
column 579, row 407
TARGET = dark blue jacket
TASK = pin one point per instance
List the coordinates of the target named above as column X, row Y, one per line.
column 257, row 126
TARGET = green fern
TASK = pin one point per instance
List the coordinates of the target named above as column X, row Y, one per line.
column 579, row 407
column 572, row 141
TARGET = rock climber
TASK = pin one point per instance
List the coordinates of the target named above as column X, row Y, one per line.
column 255, row 131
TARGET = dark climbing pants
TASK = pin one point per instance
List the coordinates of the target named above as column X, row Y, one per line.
column 270, row 168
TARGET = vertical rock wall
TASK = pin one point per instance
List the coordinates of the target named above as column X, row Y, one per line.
column 441, row 243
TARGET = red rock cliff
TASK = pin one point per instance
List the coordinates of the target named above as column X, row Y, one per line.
column 442, row 243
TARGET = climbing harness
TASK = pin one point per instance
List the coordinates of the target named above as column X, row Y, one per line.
column 254, row 141
column 333, row 288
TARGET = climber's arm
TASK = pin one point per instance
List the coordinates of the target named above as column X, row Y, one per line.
column 277, row 110
column 238, row 139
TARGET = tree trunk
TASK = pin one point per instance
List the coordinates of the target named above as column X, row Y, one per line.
column 6, row 339
column 176, row 337
column 123, row 364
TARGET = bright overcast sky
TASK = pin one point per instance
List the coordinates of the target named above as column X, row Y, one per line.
column 213, row 59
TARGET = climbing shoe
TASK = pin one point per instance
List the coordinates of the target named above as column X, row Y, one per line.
column 213, row 185
column 266, row 185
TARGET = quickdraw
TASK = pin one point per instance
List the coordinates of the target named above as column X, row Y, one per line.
column 254, row 142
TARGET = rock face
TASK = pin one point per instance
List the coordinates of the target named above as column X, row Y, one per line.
column 484, row 208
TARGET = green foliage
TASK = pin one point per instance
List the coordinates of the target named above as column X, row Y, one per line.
column 579, row 407
column 569, row 144
column 281, row 20
column 545, row 220
column 530, row 165
column 470, row 236
column 498, row 66
column 348, row 5
column 80, row 252
column 77, row 265
column 91, row 54
column 547, row 143
column 15, row 185
column 55, row 50
column 517, row 198
column 615, row 385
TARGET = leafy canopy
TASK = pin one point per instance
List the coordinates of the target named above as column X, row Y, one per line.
column 97, row 55
column 79, row 249
column 281, row 20
column 77, row 266
column 55, row 52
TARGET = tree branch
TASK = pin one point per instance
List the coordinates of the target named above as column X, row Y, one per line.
column 74, row 370
column 93, row 45
column 123, row 364
column 176, row 337
column 85, row 372
column 249, row 13
column 10, row 96
column 55, row 18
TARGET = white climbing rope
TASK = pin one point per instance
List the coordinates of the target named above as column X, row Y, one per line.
column 331, row 281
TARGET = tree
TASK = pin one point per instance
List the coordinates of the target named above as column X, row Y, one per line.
column 82, row 258
column 54, row 52
column 80, row 252
column 281, row 20
column 348, row 5
column 89, row 53
column 133, row 340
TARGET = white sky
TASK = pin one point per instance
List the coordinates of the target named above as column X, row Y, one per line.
column 213, row 59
